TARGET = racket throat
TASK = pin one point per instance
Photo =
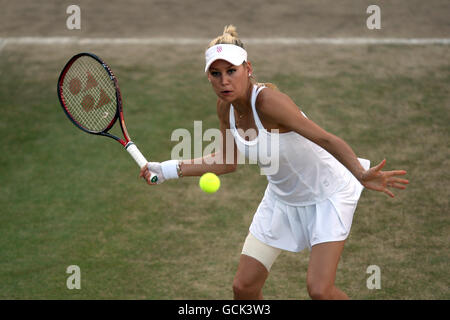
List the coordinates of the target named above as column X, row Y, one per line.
column 130, row 143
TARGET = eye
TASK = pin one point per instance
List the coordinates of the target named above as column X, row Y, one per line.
column 215, row 74
column 231, row 71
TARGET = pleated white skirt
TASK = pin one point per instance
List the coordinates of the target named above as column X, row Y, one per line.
column 294, row 228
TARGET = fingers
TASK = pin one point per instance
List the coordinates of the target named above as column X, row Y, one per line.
column 146, row 175
column 398, row 180
column 396, row 173
column 378, row 180
column 393, row 185
column 388, row 192
column 143, row 170
column 396, row 185
column 379, row 166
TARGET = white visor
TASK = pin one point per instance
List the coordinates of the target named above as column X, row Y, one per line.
column 228, row 52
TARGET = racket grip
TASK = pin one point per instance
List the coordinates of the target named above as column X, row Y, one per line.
column 139, row 158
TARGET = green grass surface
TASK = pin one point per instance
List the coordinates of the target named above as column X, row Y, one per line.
column 69, row 198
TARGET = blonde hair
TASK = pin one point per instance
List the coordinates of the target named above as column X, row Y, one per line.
column 230, row 36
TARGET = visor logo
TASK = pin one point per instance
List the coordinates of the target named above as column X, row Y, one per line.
column 219, row 49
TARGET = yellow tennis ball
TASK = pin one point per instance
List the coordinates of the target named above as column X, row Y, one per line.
column 209, row 182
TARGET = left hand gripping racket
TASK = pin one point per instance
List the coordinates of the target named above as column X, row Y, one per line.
column 90, row 96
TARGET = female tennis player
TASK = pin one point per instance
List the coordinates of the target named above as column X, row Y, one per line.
column 309, row 202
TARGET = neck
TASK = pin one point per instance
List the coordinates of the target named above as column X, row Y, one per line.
column 243, row 104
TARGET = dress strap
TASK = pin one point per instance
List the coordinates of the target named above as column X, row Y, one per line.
column 232, row 121
column 255, row 92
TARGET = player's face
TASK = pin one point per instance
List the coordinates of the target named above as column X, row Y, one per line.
column 229, row 82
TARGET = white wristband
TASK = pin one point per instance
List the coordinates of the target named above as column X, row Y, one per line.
column 169, row 169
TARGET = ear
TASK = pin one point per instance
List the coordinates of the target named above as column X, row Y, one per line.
column 249, row 68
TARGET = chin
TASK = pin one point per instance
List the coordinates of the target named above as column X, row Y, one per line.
column 226, row 98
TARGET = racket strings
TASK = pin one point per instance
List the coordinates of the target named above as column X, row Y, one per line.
column 89, row 94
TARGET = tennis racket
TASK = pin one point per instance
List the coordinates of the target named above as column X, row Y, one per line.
column 90, row 96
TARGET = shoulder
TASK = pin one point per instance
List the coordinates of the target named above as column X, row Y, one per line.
column 270, row 102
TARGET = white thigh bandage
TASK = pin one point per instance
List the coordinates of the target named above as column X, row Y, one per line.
column 260, row 251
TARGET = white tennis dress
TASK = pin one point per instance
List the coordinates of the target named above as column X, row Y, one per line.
column 310, row 199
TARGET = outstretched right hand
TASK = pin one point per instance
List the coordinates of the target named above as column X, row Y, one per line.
column 154, row 167
column 163, row 170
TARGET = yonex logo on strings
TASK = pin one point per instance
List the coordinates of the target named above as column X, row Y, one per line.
column 88, row 102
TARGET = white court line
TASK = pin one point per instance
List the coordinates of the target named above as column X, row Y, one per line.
column 2, row 44
column 201, row 41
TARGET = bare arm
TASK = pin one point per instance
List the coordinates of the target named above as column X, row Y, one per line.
column 287, row 114
column 199, row 166
column 218, row 163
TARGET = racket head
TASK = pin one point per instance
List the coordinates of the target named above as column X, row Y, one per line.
column 89, row 94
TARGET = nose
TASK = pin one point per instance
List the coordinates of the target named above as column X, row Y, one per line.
column 225, row 79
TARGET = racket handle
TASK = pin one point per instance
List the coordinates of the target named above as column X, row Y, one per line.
column 139, row 158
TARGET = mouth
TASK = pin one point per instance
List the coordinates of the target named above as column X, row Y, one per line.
column 226, row 92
